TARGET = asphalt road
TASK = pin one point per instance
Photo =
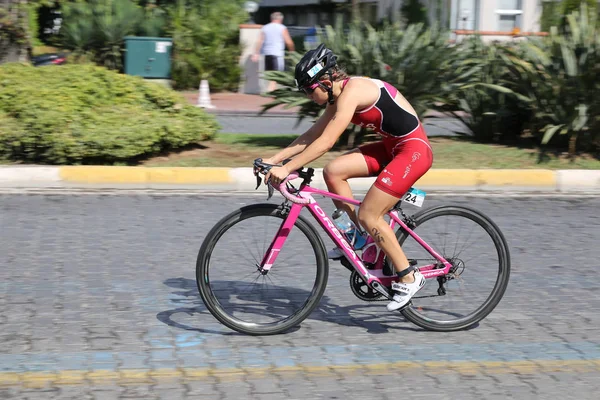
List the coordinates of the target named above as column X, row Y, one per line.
column 288, row 125
column 98, row 300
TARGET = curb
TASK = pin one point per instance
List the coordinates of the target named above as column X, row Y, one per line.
column 242, row 179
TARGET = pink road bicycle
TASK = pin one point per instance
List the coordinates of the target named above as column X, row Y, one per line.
column 263, row 268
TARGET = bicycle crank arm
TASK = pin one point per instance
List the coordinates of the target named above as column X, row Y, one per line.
column 381, row 289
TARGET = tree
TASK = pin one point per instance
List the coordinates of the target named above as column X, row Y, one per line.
column 355, row 10
column 15, row 40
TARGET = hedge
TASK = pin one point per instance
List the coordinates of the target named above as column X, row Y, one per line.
column 85, row 114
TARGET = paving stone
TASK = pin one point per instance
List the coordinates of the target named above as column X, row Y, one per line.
column 106, row 284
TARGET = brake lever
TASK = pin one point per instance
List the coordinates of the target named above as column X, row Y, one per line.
column 258, row 181
column 270, row 188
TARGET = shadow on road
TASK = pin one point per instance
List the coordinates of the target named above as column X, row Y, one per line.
column 362, row 315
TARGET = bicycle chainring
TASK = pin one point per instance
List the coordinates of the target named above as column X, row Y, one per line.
column 362, row 290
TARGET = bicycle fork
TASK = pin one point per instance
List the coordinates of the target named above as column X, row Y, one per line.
column 282, row 233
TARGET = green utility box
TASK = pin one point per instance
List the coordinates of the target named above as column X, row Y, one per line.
column 148, row 57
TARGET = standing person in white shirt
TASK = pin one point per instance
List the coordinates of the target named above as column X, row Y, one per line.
column 274, row 37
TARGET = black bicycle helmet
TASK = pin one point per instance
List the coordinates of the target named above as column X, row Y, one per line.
column 313, row 65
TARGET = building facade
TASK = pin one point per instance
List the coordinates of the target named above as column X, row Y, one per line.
column 503, row 16
column 496, row 18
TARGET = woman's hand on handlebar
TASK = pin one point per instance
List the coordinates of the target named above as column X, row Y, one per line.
column 276, row 175
column 269, row 161
column 267, row 166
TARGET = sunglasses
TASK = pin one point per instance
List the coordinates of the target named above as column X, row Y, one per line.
column 310, row 89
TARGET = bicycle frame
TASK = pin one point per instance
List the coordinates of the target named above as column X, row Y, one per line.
column 375, row 277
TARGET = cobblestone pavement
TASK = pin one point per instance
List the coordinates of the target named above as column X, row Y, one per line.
column 98, row 300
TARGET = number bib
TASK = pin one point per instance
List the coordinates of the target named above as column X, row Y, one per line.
column 415, row 197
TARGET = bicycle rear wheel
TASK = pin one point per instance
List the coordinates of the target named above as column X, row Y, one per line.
column 476, row 248
column 238, row 294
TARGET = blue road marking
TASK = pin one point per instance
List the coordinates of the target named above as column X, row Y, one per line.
column 253, row 357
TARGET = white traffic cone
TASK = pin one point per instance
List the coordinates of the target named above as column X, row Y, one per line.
column 204, row 95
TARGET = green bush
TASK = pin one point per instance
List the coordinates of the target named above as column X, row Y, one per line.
column 84, row 114
column 206, row 43
column 476, row 89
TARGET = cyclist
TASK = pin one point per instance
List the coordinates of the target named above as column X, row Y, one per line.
column 398, row 160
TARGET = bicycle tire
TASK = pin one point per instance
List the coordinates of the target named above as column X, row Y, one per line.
column 413, row 315
column 203, row 264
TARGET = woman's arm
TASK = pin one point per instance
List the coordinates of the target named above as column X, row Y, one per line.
column 343, row 110
column 304, row 140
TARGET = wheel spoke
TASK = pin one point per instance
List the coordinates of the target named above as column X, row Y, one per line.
column 467, row 243
column 247, row 300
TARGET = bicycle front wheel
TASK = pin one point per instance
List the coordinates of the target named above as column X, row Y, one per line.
column 480, row 271
column 242, row 297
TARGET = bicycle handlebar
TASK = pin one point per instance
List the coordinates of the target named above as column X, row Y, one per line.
column 283, row 189
column 263, row 168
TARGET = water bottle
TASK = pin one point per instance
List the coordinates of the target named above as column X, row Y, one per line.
column 353, row 235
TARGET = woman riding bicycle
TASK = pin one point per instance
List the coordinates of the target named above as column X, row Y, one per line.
column 401, row 157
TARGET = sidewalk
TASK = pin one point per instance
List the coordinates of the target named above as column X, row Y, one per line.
column 243, row 180
column 239, row 103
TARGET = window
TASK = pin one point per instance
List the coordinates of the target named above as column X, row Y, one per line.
column 509, row 15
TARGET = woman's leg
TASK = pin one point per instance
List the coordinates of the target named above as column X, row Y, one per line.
column 398, row 176
column 375, row 205
column 336, row 175
column 365, row 161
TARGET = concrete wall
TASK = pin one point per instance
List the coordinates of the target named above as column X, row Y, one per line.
column 530, row 18
column 463, row 14
column 532, row 15
column 488, row 21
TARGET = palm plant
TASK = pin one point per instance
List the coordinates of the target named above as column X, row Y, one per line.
column 561, row 75
column 418, row 62
column 114, row 19
column 478, row 90
column 98, row 28
column 77, row 29
column 415, row 60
